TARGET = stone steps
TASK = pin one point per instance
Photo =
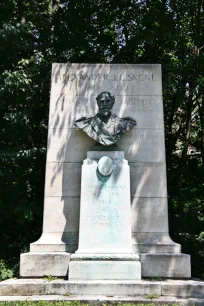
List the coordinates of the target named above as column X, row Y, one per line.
column 100, row 300
column 185, row 292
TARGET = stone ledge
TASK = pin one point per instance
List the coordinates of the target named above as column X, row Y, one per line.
column 100, row 300
column 168, row 288
column 183, row 288
column 115, row 257
column 60, row 287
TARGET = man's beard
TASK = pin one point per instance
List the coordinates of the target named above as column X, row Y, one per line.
column 104, row 111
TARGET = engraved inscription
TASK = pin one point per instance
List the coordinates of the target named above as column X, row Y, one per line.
column 117, row 82
column 71, row 77
column 102, row 191
column 104, row 204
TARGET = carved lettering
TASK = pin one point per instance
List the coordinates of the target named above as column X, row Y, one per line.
column 82, row 77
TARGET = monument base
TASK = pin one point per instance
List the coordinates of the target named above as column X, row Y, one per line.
column 104, row 267
column 168, row 265
column 43, row 264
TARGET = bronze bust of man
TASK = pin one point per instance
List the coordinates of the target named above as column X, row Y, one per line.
column 105, row 127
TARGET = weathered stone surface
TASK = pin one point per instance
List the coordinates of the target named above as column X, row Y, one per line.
column 104, row 270
column 149, row 214
column 101, row 300
column 65, row 217
column 147, row 180
column 41, row 264
column 171, row 290
column 107, row 257
column 63, row 179
column 105, row 212
column 56, row 242
column 150, row 242
column 139, row 145
column 166, row 265
column 146, row 110
column 180, row 288
column 119, row 79
column 94, row 288
column 68, row 145
column 96, row 155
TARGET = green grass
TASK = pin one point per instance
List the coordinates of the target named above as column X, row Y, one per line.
column 152, row 296
column 73, row 303
column 50, row 278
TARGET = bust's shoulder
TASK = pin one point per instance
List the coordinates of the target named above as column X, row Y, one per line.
column 83, row 122
column 82, row 119
column 124, row 120
column 127, row 123
column 130, row 120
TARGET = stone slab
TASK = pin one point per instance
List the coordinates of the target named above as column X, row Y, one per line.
column 41, row 264
column 119, row 79
column 105, row 212
column 139, row 145
column 104, row 270
column 166, row 265
column 146, row 110
column 147, row 180
column 14, row 288
column 112, row 300
column 149, row 215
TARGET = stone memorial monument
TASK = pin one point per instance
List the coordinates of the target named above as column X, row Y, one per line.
column 105, row 209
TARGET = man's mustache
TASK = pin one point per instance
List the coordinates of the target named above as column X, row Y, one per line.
column 105, row 107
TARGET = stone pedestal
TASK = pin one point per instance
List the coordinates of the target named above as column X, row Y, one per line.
column 105, row 242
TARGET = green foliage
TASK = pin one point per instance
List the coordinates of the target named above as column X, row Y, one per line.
column 4, row 271
column 34, row 34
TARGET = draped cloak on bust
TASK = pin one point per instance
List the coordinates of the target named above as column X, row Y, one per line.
column 108, row 133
